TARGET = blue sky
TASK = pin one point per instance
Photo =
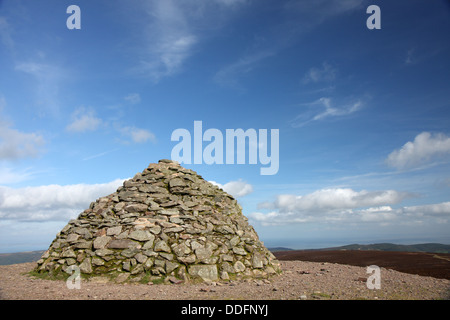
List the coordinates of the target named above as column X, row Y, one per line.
column 363, row 115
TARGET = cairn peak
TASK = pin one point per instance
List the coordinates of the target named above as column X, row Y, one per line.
column 167, row 222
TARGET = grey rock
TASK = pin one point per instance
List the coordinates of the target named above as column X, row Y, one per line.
column 227, row 267
column 167, row 256
column 155, row 229
column 174, row 229
column 181, row 250
column 140, row 258
column 138, row 269
column 129, row 252
column 162, row 246
column 86, row 266
column 141, row 235
column 206, row 272
column 257, row 261
column 101, row 242
column 69, row 253
column 137, row 207
column 82, row 244
column 224, row 275
column 114, row 231
column 121, row 244
column 148, row 264
column 148, row 244
column 72, row 237
column 187, row 260
column 103, row 252
column 177, row 182
column 169, row 212
column 240, row 251
column 239, row 266
column 203, row 253
column 126, row 265
column 225, row 230
column 97, row 261
column 122, row 277
column 171, row 266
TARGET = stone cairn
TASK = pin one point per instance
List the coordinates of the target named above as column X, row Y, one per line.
column 165, row 224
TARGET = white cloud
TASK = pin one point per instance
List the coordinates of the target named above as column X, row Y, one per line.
column 327, row 205
column 410, row 57
column 5, row 33
column 325, row 73
column 437, row 210
column 15, row 144
column 133, row 98
column 424, row 149
column 170, row 32
column 228, row 75
column 315, row 12
column 138, row 135
column 330, row 111
column 168, row 39
column 336, row 198
column 83, row 120
column 231, row 2
column 52, row 202
column 48, row 78
column 377, row 214
column 236, row 188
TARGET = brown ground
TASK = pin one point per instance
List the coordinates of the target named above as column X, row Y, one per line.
column 426, row 264
column 300, row 281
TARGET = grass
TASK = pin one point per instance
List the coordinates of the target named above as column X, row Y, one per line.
column 47, row 275
column 321, row 295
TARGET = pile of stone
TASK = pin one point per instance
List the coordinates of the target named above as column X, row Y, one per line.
column 165, row 223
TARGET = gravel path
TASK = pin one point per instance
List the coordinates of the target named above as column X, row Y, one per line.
column 299, row 281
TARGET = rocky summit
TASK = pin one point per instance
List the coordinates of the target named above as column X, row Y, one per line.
column 166, row 224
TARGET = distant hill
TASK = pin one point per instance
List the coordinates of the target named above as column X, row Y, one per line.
column 20, row 257
column 276, row 249
column 30, row 256
column 421, row 247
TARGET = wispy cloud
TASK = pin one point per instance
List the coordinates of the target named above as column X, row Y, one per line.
column 424, row 149
column 168, row 39
column 133, row 98
column 98, row 155
column 316, row 12
column 11, row 176
column 229, row 74
column 15, row 144
column 172, row 31
column 48, row 79
column 299, row 17
column 5, row 33
column 83, row 120
column 137, row 135
column 327, row 110
column 323, row 74
column 410, row 58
